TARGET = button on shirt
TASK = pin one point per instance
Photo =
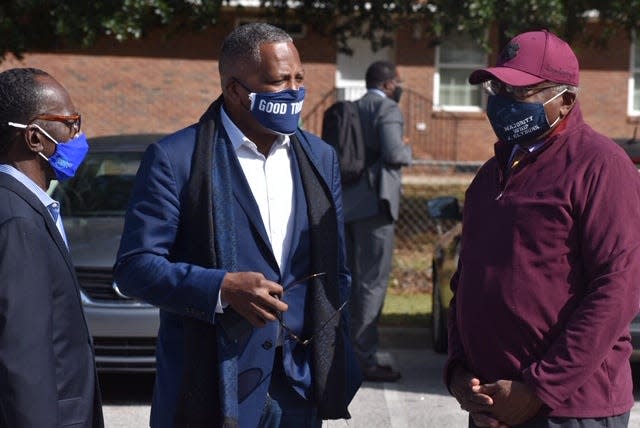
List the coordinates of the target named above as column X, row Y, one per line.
column 52, row 205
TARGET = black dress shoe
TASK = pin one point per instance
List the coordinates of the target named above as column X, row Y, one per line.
column 380, row 373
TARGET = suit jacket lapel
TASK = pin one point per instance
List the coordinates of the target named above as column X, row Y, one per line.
column 18, row 188
column 57, row 237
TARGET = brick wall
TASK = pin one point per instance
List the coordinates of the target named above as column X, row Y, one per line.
column 603, row 96
column 161, row 84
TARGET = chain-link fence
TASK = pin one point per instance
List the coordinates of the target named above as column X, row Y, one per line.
column 415, row 232
column 435, row 172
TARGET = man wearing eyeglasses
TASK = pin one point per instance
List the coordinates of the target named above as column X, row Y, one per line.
column 235, row 231
column 548, row 279
column 47, row 370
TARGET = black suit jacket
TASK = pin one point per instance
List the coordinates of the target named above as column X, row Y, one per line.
column 47, row 369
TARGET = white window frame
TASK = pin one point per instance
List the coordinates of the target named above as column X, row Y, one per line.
column 437, row 106
column 632, row 110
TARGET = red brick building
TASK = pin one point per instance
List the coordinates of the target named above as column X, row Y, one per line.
column 160, row 85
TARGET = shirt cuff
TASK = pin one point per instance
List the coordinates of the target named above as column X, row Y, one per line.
column 220, row 305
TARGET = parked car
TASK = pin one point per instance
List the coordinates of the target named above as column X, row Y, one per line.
column 632, row 147
column 93, row 204
column 448, row 215
column 447, row 212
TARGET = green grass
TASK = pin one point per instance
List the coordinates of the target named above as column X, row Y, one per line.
column 406, row 310
column 415, row 236
column 408, row 301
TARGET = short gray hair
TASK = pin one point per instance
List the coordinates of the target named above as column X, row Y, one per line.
column 242, row 45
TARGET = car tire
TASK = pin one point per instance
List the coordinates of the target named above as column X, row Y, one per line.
column 438, row 320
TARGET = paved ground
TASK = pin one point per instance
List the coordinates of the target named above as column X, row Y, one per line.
column 418, row 400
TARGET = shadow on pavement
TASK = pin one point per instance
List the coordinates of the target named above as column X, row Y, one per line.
column 408, row 349
column 126, row 389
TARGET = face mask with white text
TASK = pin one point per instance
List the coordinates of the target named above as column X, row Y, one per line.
column 277, row 111
column 517, row 121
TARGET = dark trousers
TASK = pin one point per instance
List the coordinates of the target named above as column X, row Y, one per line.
column 619, row 421
column 285, row 408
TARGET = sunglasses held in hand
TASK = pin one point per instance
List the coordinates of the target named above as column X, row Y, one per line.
column 290, row 333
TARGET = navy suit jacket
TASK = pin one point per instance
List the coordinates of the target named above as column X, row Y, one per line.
column 47, row 370
column 150, row 266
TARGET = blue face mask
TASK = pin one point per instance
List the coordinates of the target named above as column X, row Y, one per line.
column 68, row 156
column 277, row 111
column 516, row 121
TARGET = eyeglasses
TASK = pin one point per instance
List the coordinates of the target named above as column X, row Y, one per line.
column 496, row 87
column 72, row 121
column 288, row 330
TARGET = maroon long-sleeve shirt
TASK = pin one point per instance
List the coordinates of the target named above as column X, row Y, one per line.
column 549, row 273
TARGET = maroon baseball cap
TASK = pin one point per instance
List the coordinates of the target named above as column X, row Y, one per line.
column 532, row 58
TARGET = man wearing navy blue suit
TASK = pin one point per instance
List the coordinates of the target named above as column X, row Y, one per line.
column 235, row 231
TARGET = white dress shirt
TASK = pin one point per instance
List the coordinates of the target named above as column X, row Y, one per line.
column 271, row 184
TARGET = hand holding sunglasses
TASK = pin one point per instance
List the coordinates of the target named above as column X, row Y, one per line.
column 253, row 296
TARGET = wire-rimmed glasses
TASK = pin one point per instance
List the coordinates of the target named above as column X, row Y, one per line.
column 288, row 330
column 497, row 87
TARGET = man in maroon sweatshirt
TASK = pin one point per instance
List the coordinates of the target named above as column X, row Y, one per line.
column 549, row 273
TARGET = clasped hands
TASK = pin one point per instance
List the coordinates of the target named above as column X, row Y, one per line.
column 501, row 404
column 253, row 296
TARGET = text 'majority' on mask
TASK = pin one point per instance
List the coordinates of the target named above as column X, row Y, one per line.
column 517, row 121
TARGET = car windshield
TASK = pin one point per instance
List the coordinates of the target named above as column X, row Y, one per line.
column 101, row 186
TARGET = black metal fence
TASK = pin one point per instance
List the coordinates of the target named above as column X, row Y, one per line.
column 432, row 137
